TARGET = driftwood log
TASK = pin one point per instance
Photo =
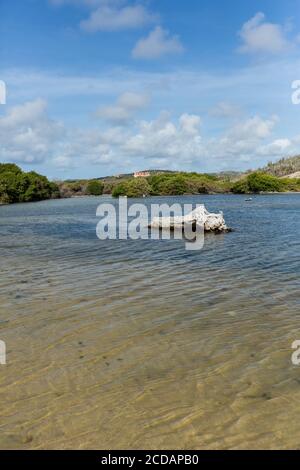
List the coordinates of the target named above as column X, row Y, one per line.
column 200, row 216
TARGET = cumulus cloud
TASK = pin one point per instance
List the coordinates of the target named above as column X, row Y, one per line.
column 124, row 109
column 27, row 134
column 162, row 138
column 260, row 36
column 111, row 15
column 165, row 142
column 277, row 148
column 157, row 44
column 183, row 141
column 255, row 128
column 115, row 18
column 63, row 162
column 240, row 143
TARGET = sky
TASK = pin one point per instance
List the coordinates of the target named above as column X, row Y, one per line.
column 104, row 87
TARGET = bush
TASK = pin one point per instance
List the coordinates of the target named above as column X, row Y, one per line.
column 138, row 187
column 258, row 183
column 291, row 184
column 16, row 186
column 241, row 187
column 95, row 188
column 174, row 186
column 10, row 168
column 119, row 190
column 261, row 182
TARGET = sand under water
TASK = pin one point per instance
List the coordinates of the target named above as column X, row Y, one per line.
column 142, row 344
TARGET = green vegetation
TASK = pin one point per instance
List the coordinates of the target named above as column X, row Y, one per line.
column 95, row 188
column 17, row 186
column 179, row 183
column 171, row 184
column 259, row 182
column 137, row 187
column 87, row 187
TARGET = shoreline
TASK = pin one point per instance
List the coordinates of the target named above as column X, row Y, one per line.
column 156, row 195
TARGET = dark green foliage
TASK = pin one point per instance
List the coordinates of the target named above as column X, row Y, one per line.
column 259, row 182
column 174, row 184
column 10, row 168
column 241, row 187
column 95, row 188
column 119, row 190
column 16, row 186
column 75, row 187
column 292, row 184
column 137, row 187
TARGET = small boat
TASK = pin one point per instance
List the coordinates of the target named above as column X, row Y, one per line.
column 249, row 199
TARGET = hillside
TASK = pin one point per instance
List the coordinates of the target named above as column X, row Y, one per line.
column 282, row 176
column 289, row 167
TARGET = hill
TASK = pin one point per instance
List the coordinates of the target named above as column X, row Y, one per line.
column 289, row 167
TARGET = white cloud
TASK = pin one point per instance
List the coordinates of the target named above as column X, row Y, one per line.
column 28, row 113
column 124, row 109
column 63, row 162
column 158, row 44
column 190, row 124
column 277, row 148
column 115, row 18
column 27, row 134
column 164, row 139
column 112, row 15
column 240, row 142
column 255, row 128
column 184, row 143
column 175, row 144
column 259, row 36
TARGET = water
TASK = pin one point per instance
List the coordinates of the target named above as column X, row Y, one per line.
column 142, row 344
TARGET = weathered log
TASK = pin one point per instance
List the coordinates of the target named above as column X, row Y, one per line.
column 200, row 216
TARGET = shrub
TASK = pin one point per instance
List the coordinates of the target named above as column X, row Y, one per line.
column 259, row 182
column 175, row 186
column 119, row 190
column 241, row 187
column 95, row 188
column 16, row 186
column 133, row 188
column 10, row 168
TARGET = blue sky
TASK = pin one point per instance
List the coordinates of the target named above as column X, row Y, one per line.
column 98, row 87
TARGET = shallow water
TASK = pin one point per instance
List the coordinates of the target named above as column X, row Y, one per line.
column 142, row 344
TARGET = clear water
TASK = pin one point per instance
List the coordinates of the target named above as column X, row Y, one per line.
column 142, row 344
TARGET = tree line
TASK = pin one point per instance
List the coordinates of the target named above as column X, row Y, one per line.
column 18, row 186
